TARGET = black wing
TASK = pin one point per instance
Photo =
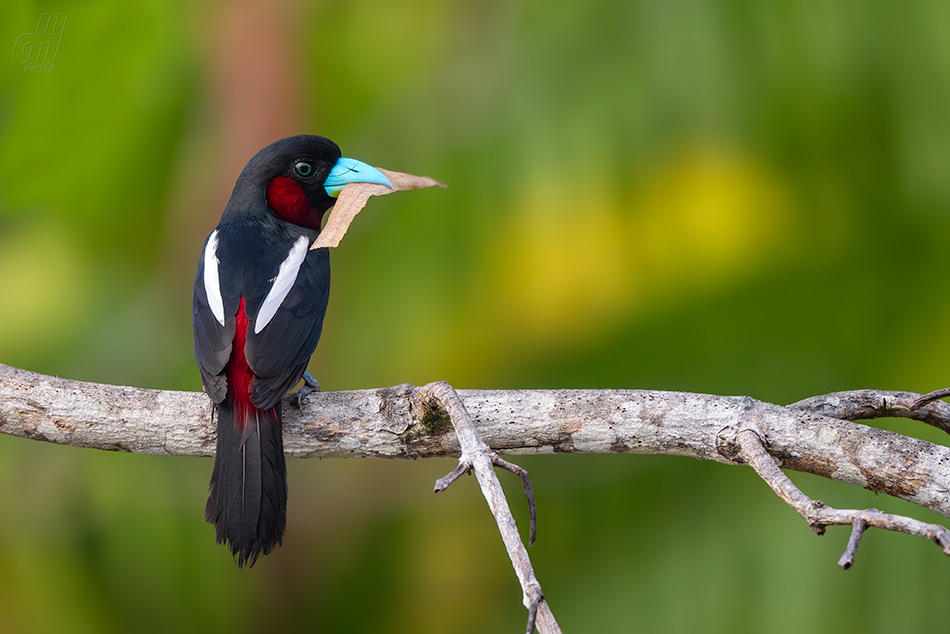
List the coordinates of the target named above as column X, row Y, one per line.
column 212, row 340
column 280, row 353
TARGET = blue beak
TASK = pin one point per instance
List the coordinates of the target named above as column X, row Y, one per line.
column 348, row 170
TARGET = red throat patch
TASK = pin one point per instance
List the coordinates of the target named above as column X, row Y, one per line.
column 287, row 200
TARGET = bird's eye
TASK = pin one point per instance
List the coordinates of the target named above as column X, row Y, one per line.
column 303, row 169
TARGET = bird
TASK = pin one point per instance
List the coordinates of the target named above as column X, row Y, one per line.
column 259, row 301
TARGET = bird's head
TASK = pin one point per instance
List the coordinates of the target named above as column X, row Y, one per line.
column 302, row 176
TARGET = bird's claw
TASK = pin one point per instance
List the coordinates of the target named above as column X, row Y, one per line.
column 310, row 384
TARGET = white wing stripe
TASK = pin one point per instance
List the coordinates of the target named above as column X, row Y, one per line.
column 284, row 281
column 212, row 281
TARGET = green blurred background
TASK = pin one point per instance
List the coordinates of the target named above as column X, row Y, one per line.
column 733, row 197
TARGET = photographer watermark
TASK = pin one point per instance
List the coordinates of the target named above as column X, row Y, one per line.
column 37, row 51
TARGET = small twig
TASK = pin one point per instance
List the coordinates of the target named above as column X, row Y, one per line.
column 752, row 450
column 498, row 461
column 444, row 482
column 867, row 404
column 932, row 396
column 857, row 532
column 478, row 457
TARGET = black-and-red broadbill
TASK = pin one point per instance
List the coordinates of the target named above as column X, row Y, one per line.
column 260, row 297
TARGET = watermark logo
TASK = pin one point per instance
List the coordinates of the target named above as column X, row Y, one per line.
column 37, row 51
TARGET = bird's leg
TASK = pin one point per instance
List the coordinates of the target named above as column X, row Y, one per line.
column 310, row 384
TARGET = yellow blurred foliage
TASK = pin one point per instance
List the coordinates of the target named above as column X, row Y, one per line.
column 44, row 282
column 568, row 265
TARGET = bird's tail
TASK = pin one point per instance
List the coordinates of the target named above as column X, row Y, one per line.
column 248, row 493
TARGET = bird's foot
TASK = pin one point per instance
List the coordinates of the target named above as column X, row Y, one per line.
column 310, row 384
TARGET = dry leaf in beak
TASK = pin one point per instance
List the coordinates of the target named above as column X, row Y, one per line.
column 354, row 196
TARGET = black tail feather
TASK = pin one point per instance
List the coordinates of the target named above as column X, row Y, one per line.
column 248, row 493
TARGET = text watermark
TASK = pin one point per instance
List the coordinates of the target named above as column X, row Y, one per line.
column 37, row 51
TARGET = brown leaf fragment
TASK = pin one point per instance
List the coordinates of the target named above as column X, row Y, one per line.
column 354, row 197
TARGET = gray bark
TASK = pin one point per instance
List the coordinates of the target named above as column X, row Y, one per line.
column 394, row 423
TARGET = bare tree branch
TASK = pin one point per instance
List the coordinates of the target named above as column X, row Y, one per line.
column 477, row 457
column 818, row 515
column 381, row 423
column 815, row 435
